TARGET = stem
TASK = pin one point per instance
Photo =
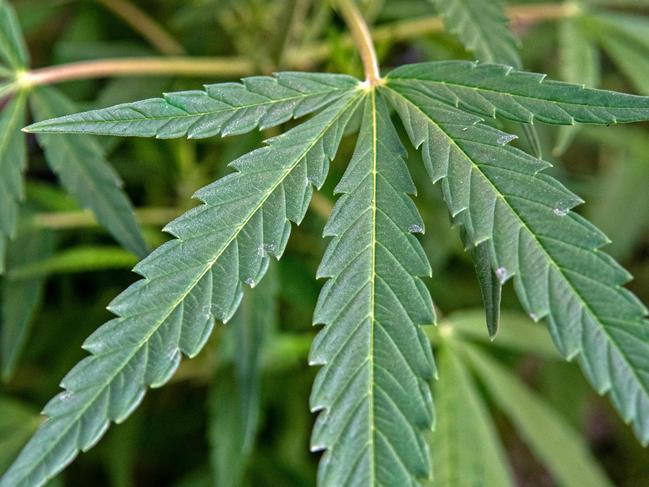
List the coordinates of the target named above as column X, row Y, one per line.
column 362, row 38
column 140, row 66
column 412, row 28
column 141, row 22
column 298, row 59
column 66, row 220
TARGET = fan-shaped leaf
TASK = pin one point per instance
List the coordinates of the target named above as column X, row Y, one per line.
column 80, row 164
column 187, row 284
column 13, row 158
column 493, row 90
column 500, row 196
column 226, row 109
column 372, row 391
column 482, row 28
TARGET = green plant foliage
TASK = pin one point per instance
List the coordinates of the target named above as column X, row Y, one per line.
column 83, row 170
column 373, row 415
column 554, row 440
column 270, row 188
column 20, row 296
column 482, row 28
column 463, row 419
column 224, row 109
column 500, row 195
column 377, row 378
column 13, row 158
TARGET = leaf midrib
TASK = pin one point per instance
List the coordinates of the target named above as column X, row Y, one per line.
column 549, row 257
column 143, row 342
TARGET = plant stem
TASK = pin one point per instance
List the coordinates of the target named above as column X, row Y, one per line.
column 360, row 33
column 141, row 22
column 299, row 59
column 141, row 66
column 66, row 220
column 408, row 29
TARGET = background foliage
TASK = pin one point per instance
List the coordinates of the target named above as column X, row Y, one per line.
column 221, row 422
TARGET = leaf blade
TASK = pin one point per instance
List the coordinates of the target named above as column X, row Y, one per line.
column 500, row 195
column 12, row 44
column 374, row 258
column 225, row 109
column 172, row 312
column 497, row 91
column 482, row 28
column 80, row 165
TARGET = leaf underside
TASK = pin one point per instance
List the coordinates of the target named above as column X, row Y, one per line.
column 372, row 394
column 372, row 391
column 482, row 28
column 501, row 198
column 187, row 284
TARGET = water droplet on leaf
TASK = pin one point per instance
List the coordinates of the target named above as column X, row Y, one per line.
column 560, row 211
column 415, row 229
column 505, row 139
column 501, row 273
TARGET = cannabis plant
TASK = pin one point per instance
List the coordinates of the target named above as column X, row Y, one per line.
column 372, row 392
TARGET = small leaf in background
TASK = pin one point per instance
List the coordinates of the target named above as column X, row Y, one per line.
column 20, row 296
column 235, row 396
column 80, row 164
column 578, row 63
column 13, row 159
column 17, row 423
column 462, row 420
column 626, row 39
column 74, row 260
column 517, row 333
column 12, row 45
column 553, row 440
column 490, row 286
column 482, row 26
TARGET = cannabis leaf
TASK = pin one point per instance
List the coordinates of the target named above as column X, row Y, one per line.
column 501, row 197
column 187, row 284
column 226, row 109
column 482, row 28
column 372, row 388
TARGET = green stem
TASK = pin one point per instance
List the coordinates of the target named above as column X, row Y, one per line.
column 141, row 22
column 360, row 33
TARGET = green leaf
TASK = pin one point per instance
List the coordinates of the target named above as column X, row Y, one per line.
column 235, row 397
column 517, row 333
column 490, row 286
column 578, row 63
column 500, row 195
column 371, row 392
column 20, row 297
column 624, row 37
column 17, row 423
column 84, row 258
column 187, row 284
column 463, row 420
column 83, row 170
column 492, row 90
column 226, row 109
column 13, row 159
column 12, row 45
column 552, row 439
column 482, row 28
